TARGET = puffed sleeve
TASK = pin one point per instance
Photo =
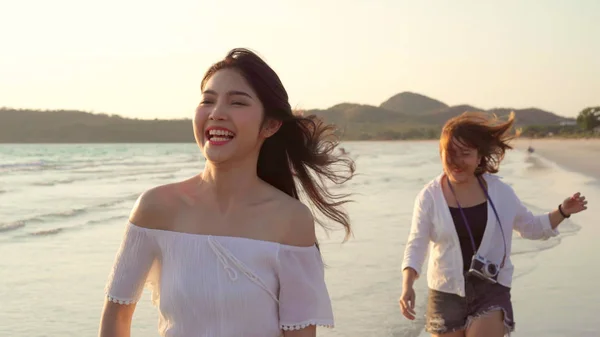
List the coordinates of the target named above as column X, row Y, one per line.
column 303, row 296
column 135, row 265
column 529, row 225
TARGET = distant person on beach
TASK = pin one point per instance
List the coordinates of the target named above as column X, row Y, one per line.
column 466, row 216
column 232, row 251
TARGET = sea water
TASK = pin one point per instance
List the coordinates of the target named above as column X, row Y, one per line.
column 63, row 209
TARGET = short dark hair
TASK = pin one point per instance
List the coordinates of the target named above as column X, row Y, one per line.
column 481, row 131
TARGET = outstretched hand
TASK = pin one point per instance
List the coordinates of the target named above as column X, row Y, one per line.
column 574, row 204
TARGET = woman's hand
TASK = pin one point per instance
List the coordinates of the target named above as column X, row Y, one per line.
column 407, row 302
column 574, row 204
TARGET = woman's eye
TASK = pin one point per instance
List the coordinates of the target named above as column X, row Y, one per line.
column 238, row 103
column 205, row 101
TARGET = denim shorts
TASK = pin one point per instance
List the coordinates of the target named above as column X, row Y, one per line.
column 449, row 312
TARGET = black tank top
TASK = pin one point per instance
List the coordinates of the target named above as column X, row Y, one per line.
column 477, row 218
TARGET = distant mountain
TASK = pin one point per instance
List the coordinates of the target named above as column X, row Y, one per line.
column 406, row 115
column 358, row 113
column 439, row 117
column 412, row 104
column 418, row 109
column 531, row 116
column 406, row 112
column 67, row 126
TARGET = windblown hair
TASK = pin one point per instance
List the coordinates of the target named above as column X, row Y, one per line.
column 481, row 131
column 302, row 145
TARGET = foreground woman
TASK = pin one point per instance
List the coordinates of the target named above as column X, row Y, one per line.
column 466, row 217
column 232, row 251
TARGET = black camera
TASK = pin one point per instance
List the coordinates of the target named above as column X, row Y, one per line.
column 484, row 269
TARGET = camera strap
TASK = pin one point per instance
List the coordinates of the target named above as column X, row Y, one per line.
column 462, row 212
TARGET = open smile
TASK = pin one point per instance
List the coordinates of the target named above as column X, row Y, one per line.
column 218, row 135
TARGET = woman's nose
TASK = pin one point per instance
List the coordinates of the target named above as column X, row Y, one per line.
column 218, row 113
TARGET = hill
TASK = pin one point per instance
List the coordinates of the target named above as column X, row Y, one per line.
column 409, row 115
column 64, row 126
column 412, row 104
column 404, row 116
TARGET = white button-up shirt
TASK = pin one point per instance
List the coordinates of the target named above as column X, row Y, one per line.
column 433, row 226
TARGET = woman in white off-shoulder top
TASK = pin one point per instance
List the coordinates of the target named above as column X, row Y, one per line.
column 232, row 251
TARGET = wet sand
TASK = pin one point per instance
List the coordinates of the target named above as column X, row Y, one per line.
column 579, row 155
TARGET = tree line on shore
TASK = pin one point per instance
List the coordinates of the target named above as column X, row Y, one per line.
column 406, row 116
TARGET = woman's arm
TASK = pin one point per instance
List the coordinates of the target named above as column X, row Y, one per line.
column 418, row 238
column 131, row 267
column 409, row 275
column 543, row 227
column 571, row 205
column 116, row 319
column 304, row 301
column 415, row 252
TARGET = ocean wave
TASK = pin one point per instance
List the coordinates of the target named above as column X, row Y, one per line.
column 47, row 232
column 38, row 163
column 41, row 218
column 53, row 183
column 58, row 230
column 90, row 169
column 65, row 213
column 11, row 226
column 165, row 173
column 538, row 248
column 82, row 165
column 24, row 167
column 536, row 164
column 104, row 220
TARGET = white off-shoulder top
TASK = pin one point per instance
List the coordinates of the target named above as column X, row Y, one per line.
column 221, row 286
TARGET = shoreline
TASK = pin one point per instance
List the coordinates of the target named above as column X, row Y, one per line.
column 516, row 140
column 557, row 298
column 574, row 155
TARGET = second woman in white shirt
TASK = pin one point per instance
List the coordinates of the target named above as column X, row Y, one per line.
column 465, row 218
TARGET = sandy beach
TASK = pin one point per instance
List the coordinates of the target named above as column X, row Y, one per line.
column 579, row 155
column 560, row 297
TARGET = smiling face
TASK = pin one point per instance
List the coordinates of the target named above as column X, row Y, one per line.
column 228, row 120
column 460, row 161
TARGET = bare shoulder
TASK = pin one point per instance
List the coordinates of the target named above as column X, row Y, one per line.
column 299, row 228
column 155, row 208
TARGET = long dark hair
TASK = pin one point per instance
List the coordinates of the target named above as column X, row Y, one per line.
column 481, row 131
column 303, row 147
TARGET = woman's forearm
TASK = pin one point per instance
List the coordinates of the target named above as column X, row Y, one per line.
column 409, row 275
column 116, row 320
column 555, row 218
column 114, row 328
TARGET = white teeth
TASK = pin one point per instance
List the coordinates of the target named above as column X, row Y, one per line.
column 220, row 139
column 220, row 133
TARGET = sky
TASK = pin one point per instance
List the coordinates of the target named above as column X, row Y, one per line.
column 145, row 59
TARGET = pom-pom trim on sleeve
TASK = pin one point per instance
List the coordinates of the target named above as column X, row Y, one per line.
column 120, row 301
column 302, row 325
